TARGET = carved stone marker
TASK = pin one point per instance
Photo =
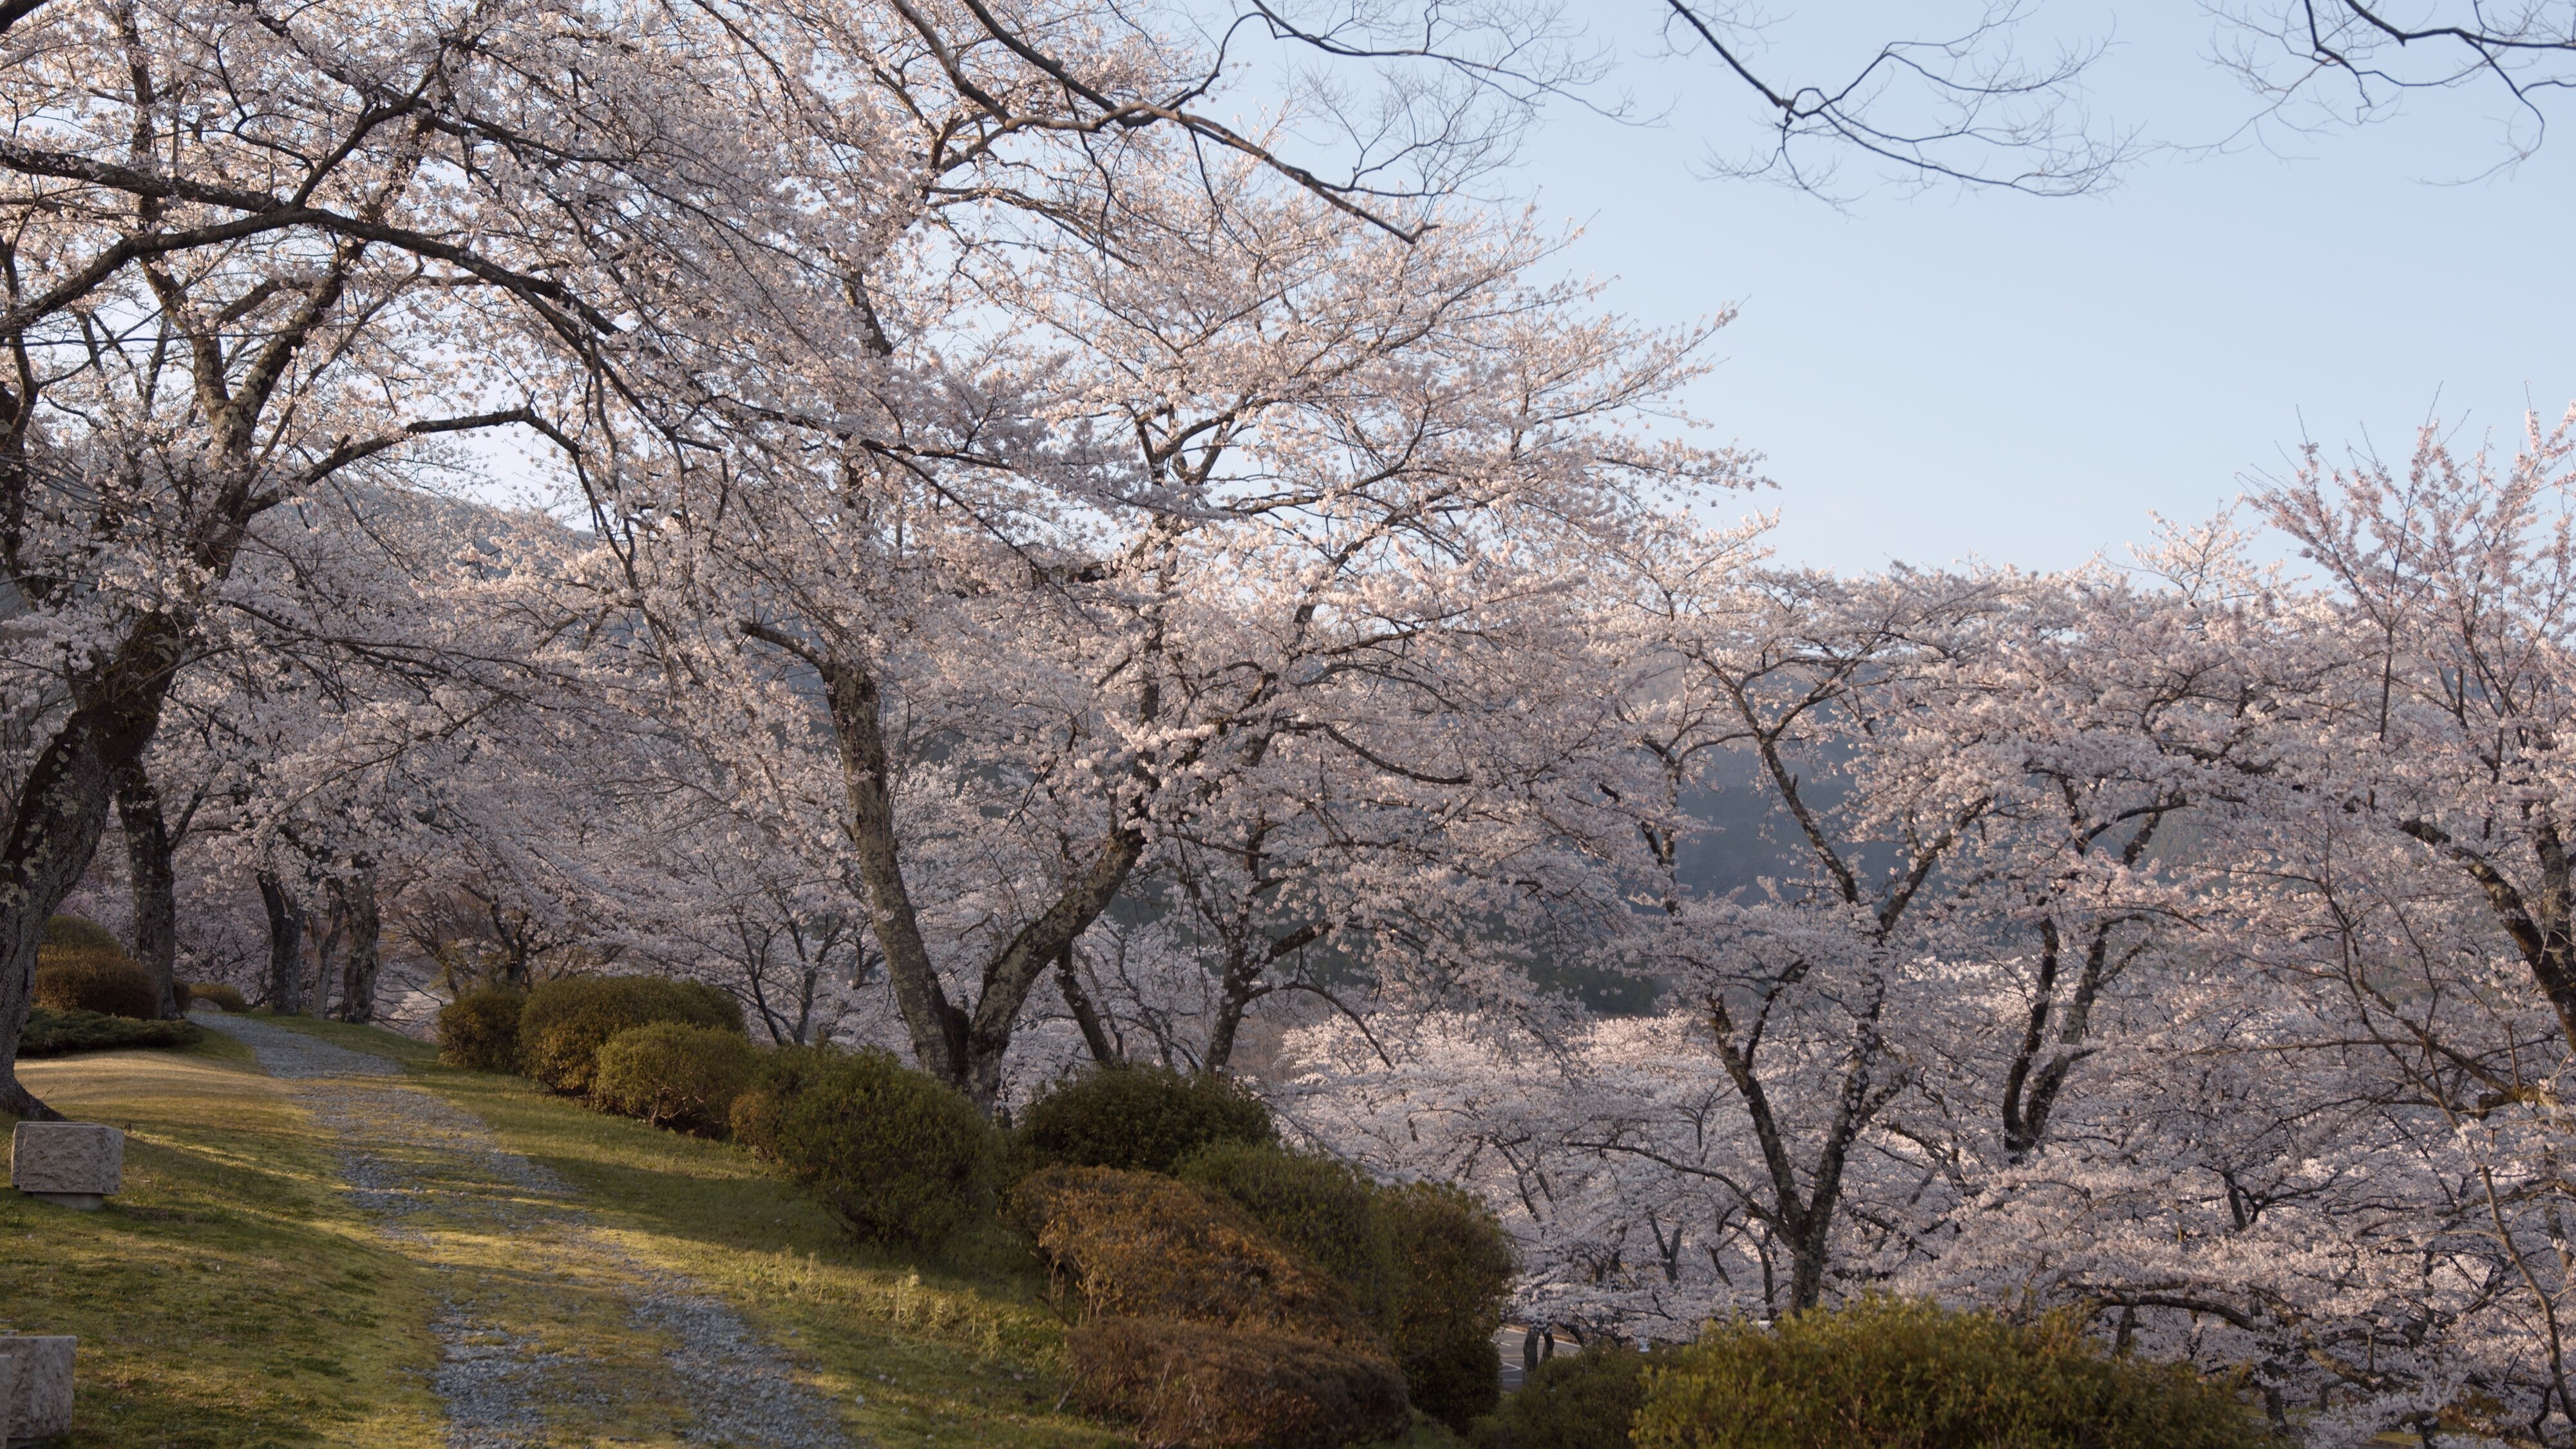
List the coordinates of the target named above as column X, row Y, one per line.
column 72, row 1163
column 40, row 1406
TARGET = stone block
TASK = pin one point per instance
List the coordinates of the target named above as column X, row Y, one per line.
column 8, row 1396
column 74, row 1163
column 40, row 1405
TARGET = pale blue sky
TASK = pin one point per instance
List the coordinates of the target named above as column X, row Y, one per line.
column 2025, row 379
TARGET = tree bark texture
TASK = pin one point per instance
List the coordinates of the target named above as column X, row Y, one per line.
column 357, row 897
column 285, row 946
column 153, row 881
column 962, row 1047
column 61, row 814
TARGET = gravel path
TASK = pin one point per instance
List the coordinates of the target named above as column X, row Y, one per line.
column 550, row 1332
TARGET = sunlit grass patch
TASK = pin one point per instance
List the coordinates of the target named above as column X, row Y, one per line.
column 229, row 1295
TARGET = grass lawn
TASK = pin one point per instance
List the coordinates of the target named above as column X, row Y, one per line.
column 955, row 1351
column 228, row 1296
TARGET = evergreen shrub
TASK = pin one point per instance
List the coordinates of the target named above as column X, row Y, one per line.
column 897, row 1154
column 88, row 978
column 1581, row 1400
column 61, row 1033
column 1136, row 1119
column 1323, row 1210
column 1454, row 1278
column 223, row 994
column 1211, row 1387
column 1142, row 1245
column 80, row 933
column 480, row 1029
column 567, row 1021
column 684, row 1077
column 1896, row 1372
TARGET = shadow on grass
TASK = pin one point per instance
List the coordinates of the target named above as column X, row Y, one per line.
column 227, row 1297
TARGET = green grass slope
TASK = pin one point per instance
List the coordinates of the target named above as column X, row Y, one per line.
column 229, row 1297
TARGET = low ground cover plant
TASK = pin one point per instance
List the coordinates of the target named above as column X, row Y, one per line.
column 1894, row 1372
column 671, row 1075
column 566, row 1021
column 61, row 1033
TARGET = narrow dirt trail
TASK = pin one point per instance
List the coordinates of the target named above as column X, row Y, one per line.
column 550, row 1333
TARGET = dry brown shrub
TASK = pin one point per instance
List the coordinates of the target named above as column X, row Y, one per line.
column 1233, row 1388
column 1140, row 1245
column 79, row 978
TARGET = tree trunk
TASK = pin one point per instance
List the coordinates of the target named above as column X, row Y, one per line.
column 961, row 1047
column 154, row 882
column 1078, row 1001
column 285, row 947
column 326, row 950
column 357, row 898
column 61, row 814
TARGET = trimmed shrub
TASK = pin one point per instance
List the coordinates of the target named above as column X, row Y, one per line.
column 1136, row 1119
column 61, row 1033
column 1891, row 1371
column 674, row 1076
column 223, row 994
column 900, row 1156
column 1321, row 1209
column 567, row 1021
column 82, row 978
column 1454, row 1278
column 80, row 933
column 480, row 1029
column 1141, row 1245
column 1232, row 1388
column 1581, row 1400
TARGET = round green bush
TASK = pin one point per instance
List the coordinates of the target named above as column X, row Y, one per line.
column 674, row 1076
column 80, row 933
column 1141, row 1245
column 1581, row 1400
column 222, row 993
column 1320, row 1208
column 899, row 1155
column 1454, row 1280
column 567, row 1021
column 1891, row 1371
column 1136, row 1119
column 480, row 1029
column 86, row 978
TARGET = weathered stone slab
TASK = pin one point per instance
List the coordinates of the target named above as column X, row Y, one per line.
column 40, row 1406
column 74, row 1163
column 8, row 1396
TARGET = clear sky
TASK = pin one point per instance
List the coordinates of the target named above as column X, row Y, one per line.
column 2026, row 380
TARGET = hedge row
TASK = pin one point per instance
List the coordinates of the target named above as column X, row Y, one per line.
column 1877, row 1370
column 60, row 1033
